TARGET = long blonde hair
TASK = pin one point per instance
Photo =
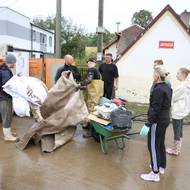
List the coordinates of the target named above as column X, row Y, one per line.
column 163, row 73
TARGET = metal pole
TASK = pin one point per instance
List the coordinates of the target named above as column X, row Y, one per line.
column 118, row 23
column 100, row 31
column 58, row 30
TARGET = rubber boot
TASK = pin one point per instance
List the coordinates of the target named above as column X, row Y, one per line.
column 8, row 135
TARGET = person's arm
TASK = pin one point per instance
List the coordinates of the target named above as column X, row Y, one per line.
column 76, row 73
column 116, row 81
column 178, row 94
column 88, row 79
column 155, row 106
column 116, row 78
column 100, row 69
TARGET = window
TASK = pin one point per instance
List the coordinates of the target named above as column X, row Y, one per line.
column 50, row 41
column 33, row 35
column 43, row 38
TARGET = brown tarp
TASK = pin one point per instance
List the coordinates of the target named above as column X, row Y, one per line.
column 62, row 110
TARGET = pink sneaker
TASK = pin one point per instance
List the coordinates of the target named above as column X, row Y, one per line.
column 172, row 151
column 151, row 177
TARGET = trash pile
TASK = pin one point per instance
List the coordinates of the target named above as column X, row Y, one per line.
column 116, row 112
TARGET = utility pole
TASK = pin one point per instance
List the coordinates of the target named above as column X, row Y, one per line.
column 58, row 29
column 100, row 31
column 118, row 23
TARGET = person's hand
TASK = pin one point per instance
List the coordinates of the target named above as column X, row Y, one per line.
column 144, row 131
column 80, row 87
column 115, row 87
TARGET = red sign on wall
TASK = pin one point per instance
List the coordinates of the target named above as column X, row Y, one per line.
column 166, row 44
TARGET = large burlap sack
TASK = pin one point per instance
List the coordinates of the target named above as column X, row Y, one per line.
column 94, row 92
column 62, row 110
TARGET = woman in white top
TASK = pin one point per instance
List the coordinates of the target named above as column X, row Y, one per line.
column 180, row 109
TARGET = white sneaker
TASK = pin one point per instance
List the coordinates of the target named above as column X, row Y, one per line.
column 151, row 177
column 161, row 170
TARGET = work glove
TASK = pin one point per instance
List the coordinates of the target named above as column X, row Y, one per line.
column 144, row 131
column 80, row 87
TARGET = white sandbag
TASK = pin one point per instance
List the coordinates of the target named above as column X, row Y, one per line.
column 30, row 88
column 21, row 106
column 25, row 91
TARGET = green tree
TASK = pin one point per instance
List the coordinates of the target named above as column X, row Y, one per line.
column 73, row 37
column 47, row 23
column 93, row 37
column 142, row 18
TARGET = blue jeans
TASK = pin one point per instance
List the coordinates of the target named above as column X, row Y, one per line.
column 177, row 128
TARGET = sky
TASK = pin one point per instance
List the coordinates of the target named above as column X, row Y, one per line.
column 85, row 12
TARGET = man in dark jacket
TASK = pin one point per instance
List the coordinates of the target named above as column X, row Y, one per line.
column 68, row 66
column 5, row 99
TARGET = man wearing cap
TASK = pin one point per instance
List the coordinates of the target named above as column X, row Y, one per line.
column 94, row 88
column 6, row 99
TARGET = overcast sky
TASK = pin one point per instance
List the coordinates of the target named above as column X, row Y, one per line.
column 85, row 12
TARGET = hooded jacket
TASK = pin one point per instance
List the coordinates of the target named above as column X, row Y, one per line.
column 181, row 100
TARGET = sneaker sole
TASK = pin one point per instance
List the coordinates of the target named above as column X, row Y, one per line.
column 151, row 180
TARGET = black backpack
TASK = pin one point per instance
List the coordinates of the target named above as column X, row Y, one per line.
column 121, row 119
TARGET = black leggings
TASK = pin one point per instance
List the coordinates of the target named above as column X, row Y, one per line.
column 156, row 146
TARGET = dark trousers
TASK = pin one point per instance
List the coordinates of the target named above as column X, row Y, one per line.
column 177, row 128
column 6, row 112
column 108, row 89
column 156, row 146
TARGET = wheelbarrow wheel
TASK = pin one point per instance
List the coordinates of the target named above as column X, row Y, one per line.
column 96, row 136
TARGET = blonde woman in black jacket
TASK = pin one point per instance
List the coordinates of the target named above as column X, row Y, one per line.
column 158, row 118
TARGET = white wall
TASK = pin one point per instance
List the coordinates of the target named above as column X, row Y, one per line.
column 15, row 17
column 15, row 42
column 136, row 66
column 36, row 45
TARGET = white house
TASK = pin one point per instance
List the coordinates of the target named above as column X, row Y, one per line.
column 42, row 40
column 166, row 38
column 17, row 30
column 26, row 39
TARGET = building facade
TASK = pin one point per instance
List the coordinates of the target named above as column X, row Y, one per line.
column 16, row 30
column 166, row 38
